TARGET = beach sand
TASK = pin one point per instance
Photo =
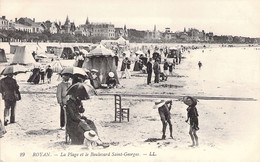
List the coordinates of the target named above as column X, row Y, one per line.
column 229, row 124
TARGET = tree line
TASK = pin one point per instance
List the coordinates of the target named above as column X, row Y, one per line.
column 133, row 36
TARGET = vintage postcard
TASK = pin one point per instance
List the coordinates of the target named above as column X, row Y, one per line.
column 139, row 80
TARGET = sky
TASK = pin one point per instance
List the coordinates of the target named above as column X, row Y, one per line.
column 222, row 17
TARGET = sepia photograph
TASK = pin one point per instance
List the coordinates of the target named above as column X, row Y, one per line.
column 129, row 80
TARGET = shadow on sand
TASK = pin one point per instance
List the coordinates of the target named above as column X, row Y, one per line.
column 42, row 132
column 153, row 140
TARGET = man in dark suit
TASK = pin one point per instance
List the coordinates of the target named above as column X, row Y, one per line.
column 8, row 88
column 149, row 71
column 156, row 69
column 116, row 60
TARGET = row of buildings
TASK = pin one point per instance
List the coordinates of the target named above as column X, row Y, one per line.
column 108, row 31
column 105, row 30
column 189, row 35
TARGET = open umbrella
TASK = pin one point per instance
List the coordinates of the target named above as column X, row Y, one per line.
column 81, row 90
column 14, row 69
column 139, row 52
column 173, row 48
column 73, row 71
column 41, row 55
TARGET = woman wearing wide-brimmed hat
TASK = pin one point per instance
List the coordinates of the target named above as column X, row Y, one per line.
column 192, row 115
column 164, row 108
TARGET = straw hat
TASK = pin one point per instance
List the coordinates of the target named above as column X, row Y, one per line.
column 94, row 70
column 158, row 103
column 91, row 135
column 111, row 74
column 86, row 70
column 188, row 100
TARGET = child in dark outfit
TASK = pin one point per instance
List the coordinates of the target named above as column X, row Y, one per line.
column 49, row 73
column 164, row 108
column 192, row 114
column 42, row 74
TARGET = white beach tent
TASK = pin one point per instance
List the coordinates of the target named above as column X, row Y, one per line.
column 13, row 48
column 23, row 55
column 122, row 41
column 56, row 66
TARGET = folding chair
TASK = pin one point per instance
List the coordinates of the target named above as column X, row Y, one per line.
column 120, row 113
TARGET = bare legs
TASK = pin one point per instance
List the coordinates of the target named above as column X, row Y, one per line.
column 194, row 137
column 164, row 128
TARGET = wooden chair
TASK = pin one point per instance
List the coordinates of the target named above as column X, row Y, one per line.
column 120, row 113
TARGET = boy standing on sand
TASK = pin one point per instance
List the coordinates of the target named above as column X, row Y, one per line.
column 192, row 115
column 164, row 108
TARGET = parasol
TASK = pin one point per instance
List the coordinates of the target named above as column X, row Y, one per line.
column 81, row 90
column 14, row 69
column 139, row 52
column 173, row 48
column 41, row 56
column 73, row 71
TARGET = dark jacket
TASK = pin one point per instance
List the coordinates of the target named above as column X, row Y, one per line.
column 49, row 72
column 8, row 87
column 149, row 67
column 116, row 60
column 77, row 124
column 73, row 110
column 156, row 67
column 123, row 67
column 193, row 116
column 128, row 63
column 165, row 66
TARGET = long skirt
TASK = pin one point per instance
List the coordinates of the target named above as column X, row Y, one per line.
column 76, row 133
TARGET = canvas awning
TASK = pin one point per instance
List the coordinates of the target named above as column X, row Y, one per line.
column 100, row 50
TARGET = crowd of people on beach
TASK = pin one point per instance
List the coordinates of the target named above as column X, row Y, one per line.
column 79, row 128
column 161, row 62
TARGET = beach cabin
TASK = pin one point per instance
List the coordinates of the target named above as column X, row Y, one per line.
column 102, row 60
column 173, row 52
column 23, row 55
column 67, row 52
column 2, row 56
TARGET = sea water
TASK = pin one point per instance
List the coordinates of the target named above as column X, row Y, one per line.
column 225, row 71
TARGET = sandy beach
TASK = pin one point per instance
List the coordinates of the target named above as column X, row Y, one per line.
column 228, row 90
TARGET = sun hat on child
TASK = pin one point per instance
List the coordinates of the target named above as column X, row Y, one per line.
column 111, row 74
column 188, row 100
column 158, row 103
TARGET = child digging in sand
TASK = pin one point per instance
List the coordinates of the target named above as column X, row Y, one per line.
column 192, row 115
column 164, row 108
